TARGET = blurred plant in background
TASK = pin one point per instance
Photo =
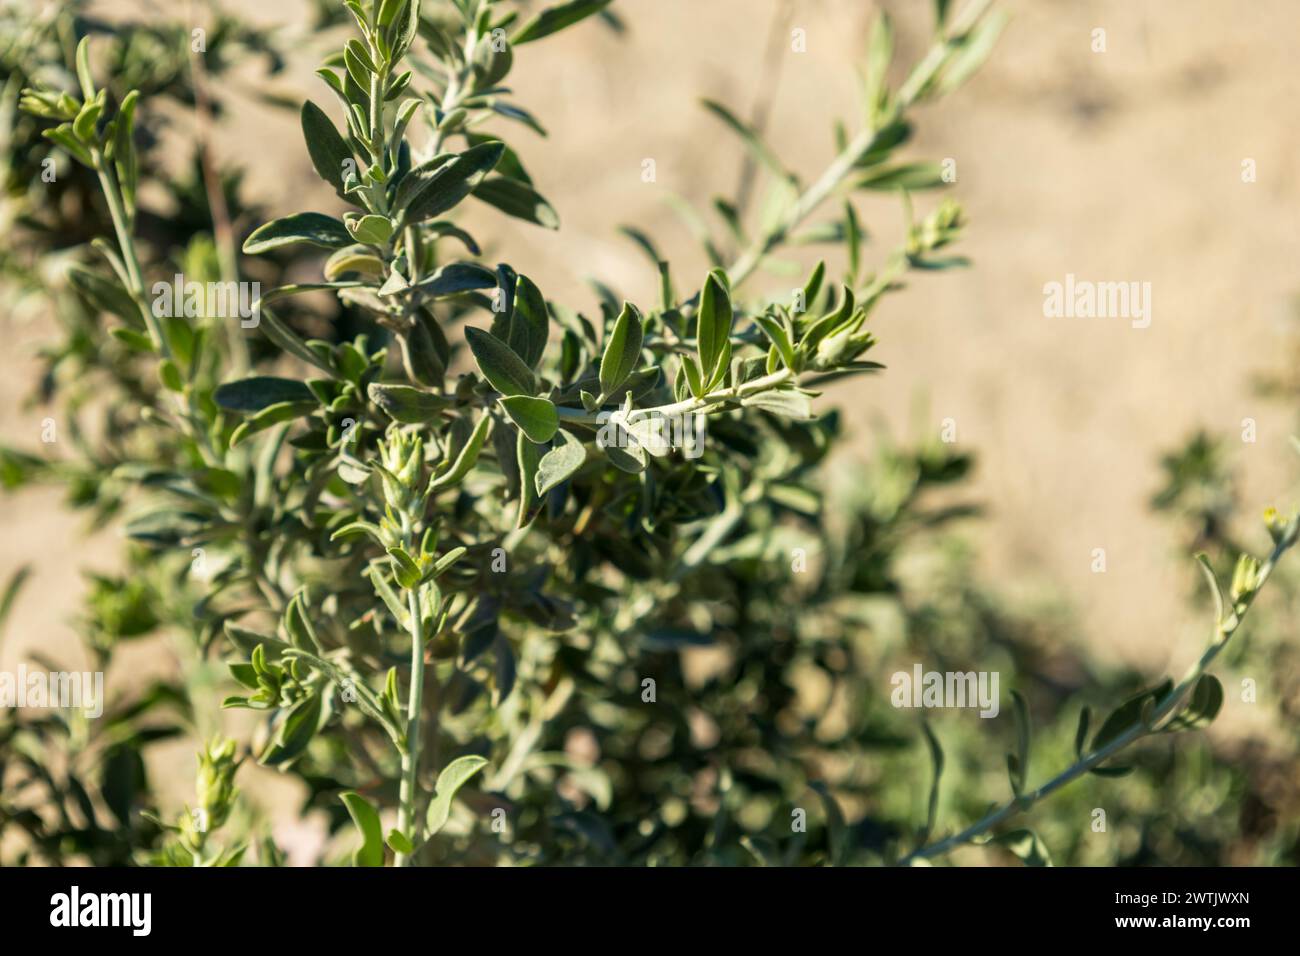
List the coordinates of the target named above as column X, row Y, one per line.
column 608, row 655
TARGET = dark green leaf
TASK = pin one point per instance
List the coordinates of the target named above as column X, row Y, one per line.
column 450, row 182
column 254, row 394
column 310, row 227
column 713, row 329
column 622, row 350
column 504, row 370
column 410, row 406
column 555, row 18
column 1202, row 708
column 536, row 416
column 329, row 153
column 518, row 200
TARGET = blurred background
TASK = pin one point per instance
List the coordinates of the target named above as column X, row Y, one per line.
column 1122, row 165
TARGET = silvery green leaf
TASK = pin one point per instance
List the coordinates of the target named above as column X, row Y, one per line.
column 272, row 415
column 536, row 416
column 449, row 183
column 254, row 394
column 299, row 726
column 454, row 776
column 622, row 350
column 104, row 293
column 466, row 458
column 548, row 21
column 329, row 153
column 713, row 329
column 785, row 402
column 779, row 337
column 910, row 176
column 455, row 278
column 528, row 324
column 560, row 463
column 518, row 200
column 410, row 406
column 313, row 228
column 504, row 370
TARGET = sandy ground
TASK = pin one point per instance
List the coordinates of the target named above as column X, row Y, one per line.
column 1116, row 166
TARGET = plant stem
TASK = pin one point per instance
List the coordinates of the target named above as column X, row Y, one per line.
column 126, row 244
column 688, row 405
column 406, row 818
column 843, row 164
column 1224, row 630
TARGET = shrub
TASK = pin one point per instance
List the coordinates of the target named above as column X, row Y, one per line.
column 452, row 541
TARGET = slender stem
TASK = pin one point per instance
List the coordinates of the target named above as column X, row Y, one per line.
column 689, row 405
column 406, row 817
column 126, row 244
column 842, row 166
column 1224, row 630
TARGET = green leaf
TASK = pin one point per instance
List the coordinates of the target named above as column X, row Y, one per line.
column 552, row 19
column 256, row 393
column 778, row 336
column 692, row 373
column 713, row 330
column 328, row 150
column 1026, row 845
column 104, row 294
column 1205, row 703
column 455, row 278
column 300, row 725
column 504, row 370
column 910, row 176
column 447, row 184
column 528, row 325
column 536, row 416
column 936, row 761
column 370, row 229
column 467, row 457
column 313, row 228
column 1081, row 732
column 528, row 457
column 366, row 819
column 410, row 406
column 517, row 199
column 399, row 842
column 271, row 415
column 405, row 569
column 622, row 350
column 786, row 402
column 560, row 463
column 454, row 776
column 1128, row 714
column 1212, row 580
